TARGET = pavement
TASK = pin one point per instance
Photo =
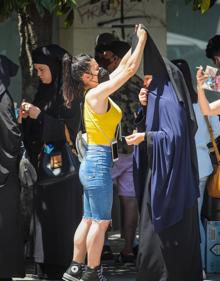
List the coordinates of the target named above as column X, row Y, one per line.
column 116, row 273
column 113, row 269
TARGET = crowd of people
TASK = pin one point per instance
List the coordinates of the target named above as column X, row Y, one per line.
column 160, row 169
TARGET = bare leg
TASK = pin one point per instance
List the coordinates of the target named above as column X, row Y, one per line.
column 129, row 213
column 80, row 240
column 95, row 242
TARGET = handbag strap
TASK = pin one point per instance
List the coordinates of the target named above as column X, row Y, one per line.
column 81, row 123
column 103, row 133
column 212, row 138
column 67, row 135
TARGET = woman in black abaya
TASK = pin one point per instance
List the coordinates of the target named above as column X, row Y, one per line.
column 166, row 176
column 57, row 207
column 11, row 236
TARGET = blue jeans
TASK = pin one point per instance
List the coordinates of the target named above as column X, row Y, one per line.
column 202, row 185
column 95, row 176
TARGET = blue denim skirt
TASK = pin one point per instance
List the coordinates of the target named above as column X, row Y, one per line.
column 95, row 176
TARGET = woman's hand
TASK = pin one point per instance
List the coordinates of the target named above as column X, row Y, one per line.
column 201, row 77
column 23, row 112
column 30, row 110
column 135, row 138
column 143, row 96
column 141, row 32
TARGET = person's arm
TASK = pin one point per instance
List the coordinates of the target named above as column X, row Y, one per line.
column 137, row 138
column 127, row 70
column 206, row 107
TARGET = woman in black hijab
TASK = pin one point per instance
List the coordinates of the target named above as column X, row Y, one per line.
column 11, row 238
column 57, row 207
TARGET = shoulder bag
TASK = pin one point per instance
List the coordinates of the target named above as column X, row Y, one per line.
column 57, row 164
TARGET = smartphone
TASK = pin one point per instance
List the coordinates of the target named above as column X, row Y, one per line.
column 213, row 81
column 114, row 151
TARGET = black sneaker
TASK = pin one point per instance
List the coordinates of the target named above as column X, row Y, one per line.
column 93, row 274
column 73, row 272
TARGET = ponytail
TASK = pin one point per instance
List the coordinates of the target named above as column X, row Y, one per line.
column 73, row 69
column 67, row 81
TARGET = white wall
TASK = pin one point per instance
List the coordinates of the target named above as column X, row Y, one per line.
column 88, row 17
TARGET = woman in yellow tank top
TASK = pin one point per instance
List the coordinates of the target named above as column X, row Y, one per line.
column 82, row 75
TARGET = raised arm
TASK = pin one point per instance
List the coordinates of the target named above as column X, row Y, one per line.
column 206, row 107
column 126, row 69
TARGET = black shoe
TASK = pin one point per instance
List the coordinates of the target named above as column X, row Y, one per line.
column 73, row 272
column 93, row 274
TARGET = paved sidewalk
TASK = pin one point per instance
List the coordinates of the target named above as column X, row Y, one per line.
column 115, row 271
column 122, row 273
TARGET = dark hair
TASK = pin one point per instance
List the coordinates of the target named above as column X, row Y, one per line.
column 73, row 69
column 184, row 68
column 213, row 47
column 104, row 39
column 118, row 48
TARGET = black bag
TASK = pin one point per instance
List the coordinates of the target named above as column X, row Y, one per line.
column 58, row 165
column 81, row 138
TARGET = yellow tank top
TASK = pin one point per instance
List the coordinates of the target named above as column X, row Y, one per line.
column 107, row 122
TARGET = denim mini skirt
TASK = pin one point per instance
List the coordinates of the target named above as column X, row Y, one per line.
column 95, row 176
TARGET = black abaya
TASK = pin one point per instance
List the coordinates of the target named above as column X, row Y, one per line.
column 57, row 207
column 11, row 236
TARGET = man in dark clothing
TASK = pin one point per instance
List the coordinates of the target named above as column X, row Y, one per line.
column 166, row 176
column 11, row 239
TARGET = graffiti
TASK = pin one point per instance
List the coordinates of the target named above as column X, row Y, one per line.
column 107, row 13
column 91, row 10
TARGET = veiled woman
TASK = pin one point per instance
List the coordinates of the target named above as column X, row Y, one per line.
column 166, row 176
column 57, row 207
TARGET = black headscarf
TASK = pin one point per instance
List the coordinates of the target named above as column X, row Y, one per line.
column 49, row 96
column 7, row 69
column 184, row 67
